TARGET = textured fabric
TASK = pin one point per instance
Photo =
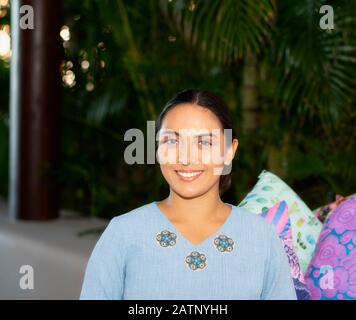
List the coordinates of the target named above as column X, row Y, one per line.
column 306, row 228
column 142, row 255
column 332, row 271
column 278, row 217
column 323, row 212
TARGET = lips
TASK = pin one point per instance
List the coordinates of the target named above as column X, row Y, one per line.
column 189, row 175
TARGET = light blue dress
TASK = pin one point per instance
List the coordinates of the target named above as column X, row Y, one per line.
column 142, row 255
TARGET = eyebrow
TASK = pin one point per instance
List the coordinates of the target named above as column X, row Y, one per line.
column 197, row 135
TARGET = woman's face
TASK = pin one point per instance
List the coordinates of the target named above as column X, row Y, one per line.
column 191, row 150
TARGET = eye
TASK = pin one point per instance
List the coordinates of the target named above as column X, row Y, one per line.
column 171, row 141
column 205, row 142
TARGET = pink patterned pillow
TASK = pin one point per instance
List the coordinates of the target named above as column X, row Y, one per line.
column 332, row 271
column 278, row 216
column 323, row 212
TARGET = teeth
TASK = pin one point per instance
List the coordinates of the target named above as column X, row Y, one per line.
column 189, row 174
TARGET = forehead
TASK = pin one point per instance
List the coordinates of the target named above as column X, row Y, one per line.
column 191, row 116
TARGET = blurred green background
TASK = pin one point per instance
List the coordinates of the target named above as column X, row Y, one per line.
column 290, row 84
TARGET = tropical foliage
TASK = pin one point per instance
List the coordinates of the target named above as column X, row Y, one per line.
column 290, row 85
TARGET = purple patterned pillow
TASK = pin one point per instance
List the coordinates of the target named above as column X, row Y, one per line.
column 332, row 271
column 278, row 216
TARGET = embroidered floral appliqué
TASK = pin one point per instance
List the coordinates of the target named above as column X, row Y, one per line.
column 166, row 238
column 224, row 243
column 196, row 260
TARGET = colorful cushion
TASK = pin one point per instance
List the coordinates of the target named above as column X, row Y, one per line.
column 332, row 271
column 306, row 228
column 323, row 212
column 278, row 216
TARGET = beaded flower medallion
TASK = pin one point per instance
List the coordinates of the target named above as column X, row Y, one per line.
column 224, row 243
column 166, row 238
column 196, row 260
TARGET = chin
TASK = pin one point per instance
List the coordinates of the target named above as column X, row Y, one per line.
column 189, row 195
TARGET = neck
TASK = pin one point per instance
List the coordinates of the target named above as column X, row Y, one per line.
column 207, row 207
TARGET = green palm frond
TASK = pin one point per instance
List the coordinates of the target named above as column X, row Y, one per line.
column 223, row 30
column 315, row 68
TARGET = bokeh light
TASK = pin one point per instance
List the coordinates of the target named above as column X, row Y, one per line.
column 65, row 33
column 4, row 4
column 5, row 43
column 69, row 79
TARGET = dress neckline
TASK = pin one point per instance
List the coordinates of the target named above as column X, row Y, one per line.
column 208, row 239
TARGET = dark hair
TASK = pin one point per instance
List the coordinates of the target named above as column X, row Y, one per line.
column 211, row 102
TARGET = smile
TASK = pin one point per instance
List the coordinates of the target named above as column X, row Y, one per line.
column 189, row 175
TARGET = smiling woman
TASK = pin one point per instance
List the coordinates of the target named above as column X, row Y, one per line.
column 191, row 245
column 204, row 113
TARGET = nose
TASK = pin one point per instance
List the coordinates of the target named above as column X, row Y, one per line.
column 184, row 154
column 187, row 153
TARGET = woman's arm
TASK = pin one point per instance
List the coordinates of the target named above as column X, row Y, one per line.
column 278, row 282
column 104, row 275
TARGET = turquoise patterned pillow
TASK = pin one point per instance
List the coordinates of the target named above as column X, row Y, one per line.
column 306, row 228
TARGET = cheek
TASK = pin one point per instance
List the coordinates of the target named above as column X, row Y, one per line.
column 167, row 173
column 214, row 161
column 213, row 156
column 167, row 154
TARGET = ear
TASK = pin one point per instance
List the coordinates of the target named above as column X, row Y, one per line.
column 230, row 154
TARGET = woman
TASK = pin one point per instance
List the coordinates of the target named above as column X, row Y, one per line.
column 191, row 245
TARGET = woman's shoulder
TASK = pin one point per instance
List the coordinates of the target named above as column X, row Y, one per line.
column 134, row 217
column 252, row 221
column 255, row 229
